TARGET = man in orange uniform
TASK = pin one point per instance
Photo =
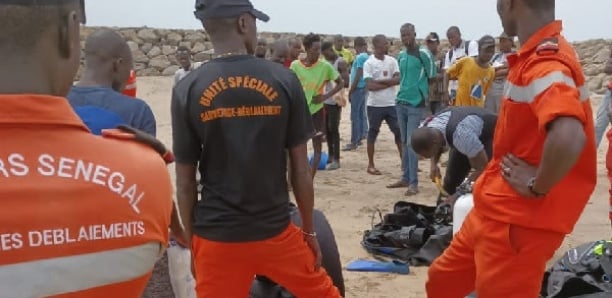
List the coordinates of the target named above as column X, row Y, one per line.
column 130, row 85
column 82, row 216
column 542, row 172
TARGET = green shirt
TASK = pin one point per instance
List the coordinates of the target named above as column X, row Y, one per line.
column 415, row 74
column 313, row 79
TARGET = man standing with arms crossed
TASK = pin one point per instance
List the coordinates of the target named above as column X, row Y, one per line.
column 542, row 173
column 234, row 119
column 58, row 177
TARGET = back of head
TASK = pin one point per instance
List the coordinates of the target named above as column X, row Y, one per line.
column 326, row 45
column 422, row 140
column 41, row 37
column 107, row 56
column 540, row 5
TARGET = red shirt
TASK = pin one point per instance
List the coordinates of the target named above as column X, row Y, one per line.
column 288, row 63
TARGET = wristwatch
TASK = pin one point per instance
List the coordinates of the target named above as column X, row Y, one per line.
column 531, row 184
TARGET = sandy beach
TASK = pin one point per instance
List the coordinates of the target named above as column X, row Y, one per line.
column 349, row 198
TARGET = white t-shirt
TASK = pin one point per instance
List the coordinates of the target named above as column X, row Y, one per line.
column 459, row 53
column 182, row 73
column 377, row 69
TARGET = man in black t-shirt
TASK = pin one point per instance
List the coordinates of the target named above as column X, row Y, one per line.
column 234, row 119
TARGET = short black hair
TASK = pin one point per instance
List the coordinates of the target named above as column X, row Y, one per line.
column 327, row 45
column 408, row 25
column 219, row 27
column 540, row 5
column 310, row 39
column 455, row 29
column 23, row 25
column 379, row 37
column 359, row 41
column 183, row 49
column 422, row 139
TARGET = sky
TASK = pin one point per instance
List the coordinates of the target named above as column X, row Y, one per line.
column 583, row 19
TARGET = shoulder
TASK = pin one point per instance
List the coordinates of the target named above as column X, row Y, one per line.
column 390, row 59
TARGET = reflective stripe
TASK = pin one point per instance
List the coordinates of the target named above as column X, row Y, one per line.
column 528, row 93
column 130, row 86
column 63, row 275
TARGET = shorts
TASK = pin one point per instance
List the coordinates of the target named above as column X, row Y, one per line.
column 318, row 121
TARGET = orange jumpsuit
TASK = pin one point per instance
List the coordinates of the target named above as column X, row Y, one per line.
column 505, row 242
column 77, row 219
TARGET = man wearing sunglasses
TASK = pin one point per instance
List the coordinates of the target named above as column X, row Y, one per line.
column 83, row 216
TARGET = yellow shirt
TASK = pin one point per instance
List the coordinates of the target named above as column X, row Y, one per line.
column 474, row 81
column 346, row 54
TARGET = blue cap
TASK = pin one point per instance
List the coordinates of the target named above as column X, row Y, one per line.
column 218, row 9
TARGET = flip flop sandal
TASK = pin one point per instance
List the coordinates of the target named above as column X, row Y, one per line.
column 374, row 171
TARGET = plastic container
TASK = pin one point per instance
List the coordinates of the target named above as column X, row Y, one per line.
column 322, row 162
column 179, row 265
column 463, row 206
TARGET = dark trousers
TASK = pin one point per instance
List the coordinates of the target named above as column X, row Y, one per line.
column 332, row 122
column 459, row 167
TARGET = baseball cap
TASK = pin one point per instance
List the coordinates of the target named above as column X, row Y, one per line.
column 505, row 35
column 47, row 2
column 433, row 36
column 218, row 9
column 486, row 41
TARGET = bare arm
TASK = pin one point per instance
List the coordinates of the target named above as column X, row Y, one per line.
column 186, row 193
column 301, row 180
column 501, row 72
column 358, row 76
column 478, row 163
column 339, row 85
column 564, row 143
column 373, row 85
column 393, row 81
column 343, row 69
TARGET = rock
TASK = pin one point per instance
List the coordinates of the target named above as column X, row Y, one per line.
column 601, row 56
column 139, row 66
column 595, row 83
column 198, row 47
column 160, row 63
column 146, row 48
column 196, row 37
column 592, row 70
column 203, row 56
column 154, row 52
column 168, row 50
column 186, row 44
column 174, row 39
column 148, row 72
column 148, row 35
column 170, row 70
column 140, row 57
column 133, row 46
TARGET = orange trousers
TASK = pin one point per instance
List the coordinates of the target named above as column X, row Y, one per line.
column 227, row 269
column 494, row 258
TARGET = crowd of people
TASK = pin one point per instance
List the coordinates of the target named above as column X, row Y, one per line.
column 103, row 206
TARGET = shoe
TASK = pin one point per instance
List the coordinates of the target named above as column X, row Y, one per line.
column 350, row 147
column 334, row 165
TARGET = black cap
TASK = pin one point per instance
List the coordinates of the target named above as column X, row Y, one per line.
column 218, row 9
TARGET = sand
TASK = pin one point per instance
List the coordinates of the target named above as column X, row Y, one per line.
column 349, row 198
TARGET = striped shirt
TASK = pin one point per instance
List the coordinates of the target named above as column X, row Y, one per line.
column 466, row 137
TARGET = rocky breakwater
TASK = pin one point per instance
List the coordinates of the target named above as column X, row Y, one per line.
column 154, row 50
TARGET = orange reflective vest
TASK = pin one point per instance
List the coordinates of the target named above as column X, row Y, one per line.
column 82, row 215
column 130, row 86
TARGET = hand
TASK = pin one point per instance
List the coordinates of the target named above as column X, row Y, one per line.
column 450, row 200
column 318, row 99
column 179, row 235
column 517, row 173
column 313, row 244
column 434, row 172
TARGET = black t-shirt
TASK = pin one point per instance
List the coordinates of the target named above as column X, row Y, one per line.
column 236, row 116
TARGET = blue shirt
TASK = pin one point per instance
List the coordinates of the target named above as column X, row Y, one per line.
column 102, row 108
column 359, row 62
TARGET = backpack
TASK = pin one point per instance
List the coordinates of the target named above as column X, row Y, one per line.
column 584, row 271
column 466, row 46
column 412, row 233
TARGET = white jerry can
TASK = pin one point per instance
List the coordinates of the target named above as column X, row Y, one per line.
column 463, row 206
